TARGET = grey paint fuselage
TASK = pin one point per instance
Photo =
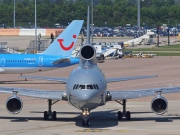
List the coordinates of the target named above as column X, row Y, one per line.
column 86, row 98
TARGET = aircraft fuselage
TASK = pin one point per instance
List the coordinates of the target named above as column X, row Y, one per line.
column 28, row 63
column 86, row 88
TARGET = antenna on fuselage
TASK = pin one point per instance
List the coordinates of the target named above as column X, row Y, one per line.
column 88, row 30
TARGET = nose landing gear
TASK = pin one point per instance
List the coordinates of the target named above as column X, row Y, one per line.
column 85, row 114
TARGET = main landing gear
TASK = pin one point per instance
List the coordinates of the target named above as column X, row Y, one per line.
column 49, row 114
column 85, row 114
column 124, row 113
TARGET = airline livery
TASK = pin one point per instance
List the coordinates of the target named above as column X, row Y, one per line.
column 57, row 55
column 86, row 89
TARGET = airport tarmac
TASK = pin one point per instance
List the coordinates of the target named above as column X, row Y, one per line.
column 103, row 119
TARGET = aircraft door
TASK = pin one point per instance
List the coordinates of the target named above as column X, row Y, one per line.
column 2, row 62
column 40, row 62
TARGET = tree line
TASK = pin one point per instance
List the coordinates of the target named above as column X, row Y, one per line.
column 106, row 12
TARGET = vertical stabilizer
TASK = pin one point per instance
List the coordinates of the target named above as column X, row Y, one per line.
column 87, row 51
column 64, row 44
column 88, row 29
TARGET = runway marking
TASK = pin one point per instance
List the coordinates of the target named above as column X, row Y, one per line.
column 123, row 130
column 92, row 130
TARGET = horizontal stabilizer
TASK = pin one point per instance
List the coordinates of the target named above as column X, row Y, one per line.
column 63, row 60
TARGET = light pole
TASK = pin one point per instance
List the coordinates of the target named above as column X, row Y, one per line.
column 35, row 24
column 138, row 14
column 168, row 32
column 14, row 14
column 92, row 19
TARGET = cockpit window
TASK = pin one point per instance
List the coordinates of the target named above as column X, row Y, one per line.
column 90, row 87
column 97, row 86
column 84, row 87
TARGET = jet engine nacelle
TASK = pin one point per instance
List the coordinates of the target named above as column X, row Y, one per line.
column 14, row 104
column 159, row 105
column 87, row 52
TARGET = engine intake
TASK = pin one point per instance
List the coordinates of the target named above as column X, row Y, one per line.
column 159, row 105
column 14, row 105
column 87, row 52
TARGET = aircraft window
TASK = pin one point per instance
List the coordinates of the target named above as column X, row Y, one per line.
column 81, row 87
column 77, row 86
column 74, row 87
column 97, row 87
column 90, row 87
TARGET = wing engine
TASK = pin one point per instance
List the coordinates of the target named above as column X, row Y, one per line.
column 159, row 105
column 14, row 104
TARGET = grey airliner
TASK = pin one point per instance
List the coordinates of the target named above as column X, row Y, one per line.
column 86, row 89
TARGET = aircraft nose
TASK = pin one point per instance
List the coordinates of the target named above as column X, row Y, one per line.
column 87, row 99
column 88, row 95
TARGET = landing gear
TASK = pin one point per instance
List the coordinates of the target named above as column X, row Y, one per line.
column 49, row 114
column 85, row 121
column 124, row 113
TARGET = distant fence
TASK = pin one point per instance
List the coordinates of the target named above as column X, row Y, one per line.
column 29, row 32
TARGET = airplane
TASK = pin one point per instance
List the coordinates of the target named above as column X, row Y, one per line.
column 86, row 89
column 57, row 55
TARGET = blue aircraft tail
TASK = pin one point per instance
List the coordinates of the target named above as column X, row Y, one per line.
column 64, row 44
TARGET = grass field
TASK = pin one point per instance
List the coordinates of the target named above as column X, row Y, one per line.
column 171, row 50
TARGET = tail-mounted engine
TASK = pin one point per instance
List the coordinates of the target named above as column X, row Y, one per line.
column 159, row 105
column 14, row 104
column 87, row 52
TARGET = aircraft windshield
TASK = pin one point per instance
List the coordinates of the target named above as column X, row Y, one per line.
column 85, row 87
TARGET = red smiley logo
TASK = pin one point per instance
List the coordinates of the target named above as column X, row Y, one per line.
column 66, row 48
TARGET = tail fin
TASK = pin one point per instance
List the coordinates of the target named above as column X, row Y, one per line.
column 64, row 44
column 88, row 29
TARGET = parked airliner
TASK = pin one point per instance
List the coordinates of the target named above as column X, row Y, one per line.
column 86, row 89
column 57, row 55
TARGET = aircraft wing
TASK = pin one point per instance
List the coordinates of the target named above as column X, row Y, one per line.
column 109, row 80
column 62, row 60
column 130, row 94
column 44, row 94
column 63, row 80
